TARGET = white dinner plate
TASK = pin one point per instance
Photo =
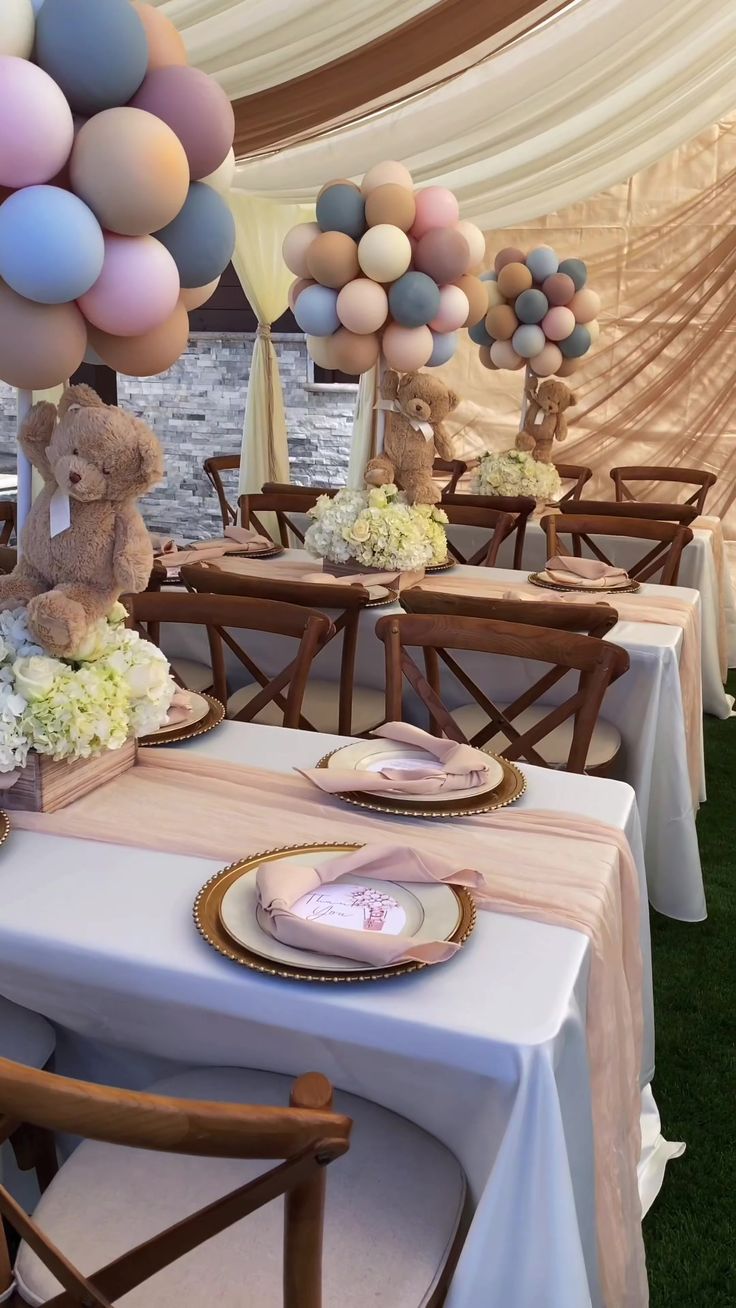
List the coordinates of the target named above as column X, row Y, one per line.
column 372, row 755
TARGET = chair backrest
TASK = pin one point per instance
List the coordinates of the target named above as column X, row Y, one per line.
column 682, row 476
column 8, row 559
column 455, row 467
column 597, row 662
column 213, row 468
column 576, row 473
column 496, row 524
column 220, row 615
column 521, row 507
column 285, row 504
column 8, row 515
column 307, row 1136
column 589, row 619
column 682, row 513
column 668, row 540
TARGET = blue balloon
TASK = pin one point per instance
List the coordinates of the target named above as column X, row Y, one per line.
column 96, row 50
column 542, row 262
column 414, row 300
column 577, row 343
column 201, row 238
column 576, row 269
column 342, row 209
column 489, row 277
column 51, row 245
column 316, row 311
column 528, row 341
column 479, row 334
column 444, row 345
column 531, row 306
column 36, row 5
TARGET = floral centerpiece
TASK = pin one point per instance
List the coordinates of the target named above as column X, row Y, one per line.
column 377, row 529
column 515, row 472
column 117, row 687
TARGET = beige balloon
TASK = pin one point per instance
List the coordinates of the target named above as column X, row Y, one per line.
column 321, row 350
column 148, row 355
column 131, row 169
column 165, row 45
column 17, row 28
column 222, row 178
column 40, row 344
column 194, row 299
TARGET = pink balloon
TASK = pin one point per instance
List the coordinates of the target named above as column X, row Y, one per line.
column 362, row 306
column 454, row 309
column 296, row 244
column 559, row 288
column 436, row 207
column 406, row 348
column 137, row 290
column 546, row 363
column 585, row 305
column 36, row 126
column 504, row 356
column 196, row 108
column 558, row 323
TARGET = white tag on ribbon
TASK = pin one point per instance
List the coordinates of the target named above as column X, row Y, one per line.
column 540, row 417
column 60, row 513
column 393, row 406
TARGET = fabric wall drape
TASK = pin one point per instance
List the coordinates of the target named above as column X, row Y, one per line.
column 261, row 226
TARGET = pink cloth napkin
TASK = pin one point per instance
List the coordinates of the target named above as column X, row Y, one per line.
column 281, row 884
column 180, row 707
column 235, row 540
column 568, row 568
column 450, row 766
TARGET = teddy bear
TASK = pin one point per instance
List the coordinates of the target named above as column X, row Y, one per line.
column 545, row 419
column 84, row 542
column 416, row 403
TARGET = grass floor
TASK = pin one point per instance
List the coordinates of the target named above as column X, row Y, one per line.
column 690, row 1232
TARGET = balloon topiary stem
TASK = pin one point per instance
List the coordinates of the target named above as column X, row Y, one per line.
column 25, row 471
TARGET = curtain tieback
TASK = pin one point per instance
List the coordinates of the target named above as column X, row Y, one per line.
column 264, row 330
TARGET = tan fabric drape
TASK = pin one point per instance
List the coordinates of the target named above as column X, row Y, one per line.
column 261, row 226
column 659, row 387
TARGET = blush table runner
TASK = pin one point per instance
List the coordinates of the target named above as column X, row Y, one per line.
column 554, row 868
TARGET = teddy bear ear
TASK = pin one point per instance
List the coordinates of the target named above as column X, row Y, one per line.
column 453, row 400
column 79, row 397
column 151, row 458
column 572, row 398
column 390, row 384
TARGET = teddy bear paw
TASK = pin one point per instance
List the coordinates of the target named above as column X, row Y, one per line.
column 58, row 623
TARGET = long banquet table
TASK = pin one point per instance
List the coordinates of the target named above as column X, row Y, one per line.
column 487, row 1052
column 645, row 704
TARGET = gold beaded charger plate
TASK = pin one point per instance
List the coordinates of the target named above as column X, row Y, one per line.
column 271, row 552
column 505, row 782
column 4, row 826
column 441, row 567
column 617, row 587
column 208, row 713
column 227, row 917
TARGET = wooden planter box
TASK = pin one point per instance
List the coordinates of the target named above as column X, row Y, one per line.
column 45, row 785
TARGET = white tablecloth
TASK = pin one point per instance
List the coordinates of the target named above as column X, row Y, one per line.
column 645, row 704
column 488, row 1053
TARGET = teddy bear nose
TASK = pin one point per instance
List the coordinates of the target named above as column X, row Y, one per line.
column 74, row 477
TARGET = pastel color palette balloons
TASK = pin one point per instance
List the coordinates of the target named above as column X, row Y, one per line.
column 414, row 300
column 443, row 348
column 198, row 295
column 528, row 340
column 332, row 259
column 576, row 270
column 137, row 290
column 362, row 306
column 165, row 44
column 382, row 174
column 503, row 355
column 17, row 28
column 131, row 170
column 436, row 207
column 513, row 279
column 531, row 306
column 476, row 243
column 548, row 361
column 97, row 53
column 196, row 109
column 36, row 125
column 480, row 334
column 341, row 208
column 577, row 343
column 509, row 254
column 201, row 238
column 316, row 311
column 295, row 246
column 407, row 348
column 384, row 253
column 40, row 344
column 391, row 204
column 585, row 305
column 353, row 353
column 559, row 288
column 453, row 310
column 558, row 323
column 443, row 254
column 477, row 296
column 146, row 355
column 542, row 262
column 51, row 245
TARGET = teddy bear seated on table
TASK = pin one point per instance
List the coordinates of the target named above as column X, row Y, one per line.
column 414, row 435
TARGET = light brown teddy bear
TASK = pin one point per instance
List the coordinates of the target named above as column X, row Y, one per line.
column 84, row 542
column 414, row 435
column 545, row 419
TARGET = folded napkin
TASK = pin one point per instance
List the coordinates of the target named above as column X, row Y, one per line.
column 377, row 585
column 280, row 884
column 555, row 597
column 180, row 708
column 450, row 766
column 567, row 568
column 162, row 544
column 237, row 540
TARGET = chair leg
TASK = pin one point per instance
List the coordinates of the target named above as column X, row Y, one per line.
column 35, row 1150
column 304, row 1213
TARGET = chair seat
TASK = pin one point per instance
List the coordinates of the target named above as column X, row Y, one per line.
column 394, row 1206
column 320, row 707
column 25, row 1037
column 554, row 749
column 195, row 676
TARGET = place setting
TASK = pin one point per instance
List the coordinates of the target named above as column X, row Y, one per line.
column 565, row 572
column 191, row 713
column 236, row 543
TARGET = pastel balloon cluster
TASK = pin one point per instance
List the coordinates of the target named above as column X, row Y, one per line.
column 114, row 156
column 539, row 312
column 385, row 269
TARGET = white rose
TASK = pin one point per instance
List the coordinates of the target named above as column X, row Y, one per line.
column 35, row 675
column 147, row 678
column 360, row 531
column 118, row 614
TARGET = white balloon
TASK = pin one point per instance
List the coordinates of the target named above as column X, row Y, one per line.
column 17, row 28
column 222, row 178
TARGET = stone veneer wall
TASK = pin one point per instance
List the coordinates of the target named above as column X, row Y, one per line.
column 197, row 410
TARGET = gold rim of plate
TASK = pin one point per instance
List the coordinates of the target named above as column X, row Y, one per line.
column 206, row 914
column 252, row 554
column 208, row 723
column 631, row 589
column 441, row 567
column 4, row 826
column 508, row 790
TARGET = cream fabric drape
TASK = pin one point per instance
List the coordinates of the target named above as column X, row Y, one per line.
column 598, row 92
column 261, row 226
column 364, row 429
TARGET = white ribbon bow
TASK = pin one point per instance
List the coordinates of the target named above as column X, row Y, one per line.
column 393, row 406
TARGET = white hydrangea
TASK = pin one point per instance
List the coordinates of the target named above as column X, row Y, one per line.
column 377, row 529
column 516, row 472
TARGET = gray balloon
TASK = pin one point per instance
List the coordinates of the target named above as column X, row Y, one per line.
column 531, row 306
column 414, row 300
column 577, row 343
column 96, row 52
column 576, row 270
column 201, row 238
column 342, row 209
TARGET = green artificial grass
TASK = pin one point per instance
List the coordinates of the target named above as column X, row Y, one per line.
column 690, row 1233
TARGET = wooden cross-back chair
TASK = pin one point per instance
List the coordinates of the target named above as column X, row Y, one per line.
column 594, row 619
column 496, row 524
column 285, row 504
column 346, row 709
column 305, row 1137
column 220, row 615
column 521, row 507
column 213, row 467
column 455, row 467
column 683, row 514
column 576, row 473
column 517, row 730
column 8, row 559
column 667, row 541
column 8, row 514
column 703, row 481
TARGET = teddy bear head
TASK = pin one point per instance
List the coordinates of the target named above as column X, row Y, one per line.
column 98, row 452
column 420, row 395
column 554, row 396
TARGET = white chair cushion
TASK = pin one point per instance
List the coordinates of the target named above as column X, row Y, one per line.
column 25, row 1037
column 394, row 1204
column 320, row 707
column 554, row 749
column 195, row 676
